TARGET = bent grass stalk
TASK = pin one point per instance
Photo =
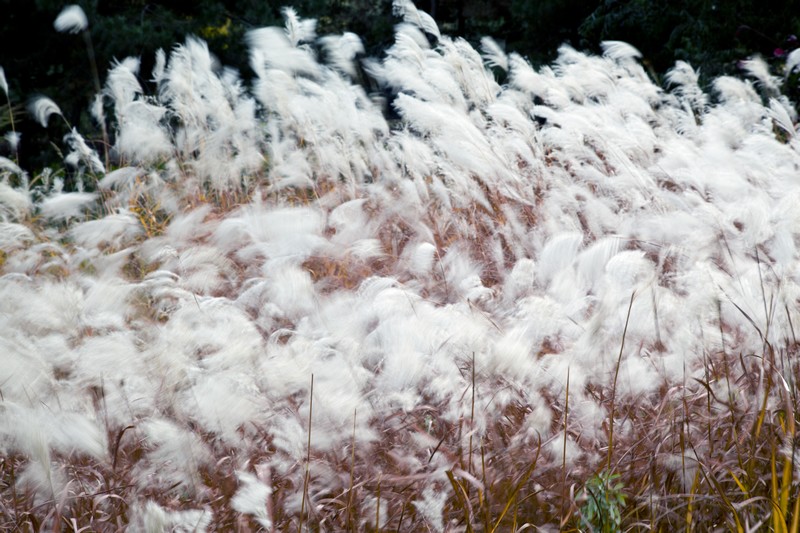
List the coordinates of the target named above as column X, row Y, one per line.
column 308, row 456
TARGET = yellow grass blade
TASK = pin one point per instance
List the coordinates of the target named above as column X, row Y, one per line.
column 690, row 507
column 513, row 496
column 778, row 521
column 795, row 528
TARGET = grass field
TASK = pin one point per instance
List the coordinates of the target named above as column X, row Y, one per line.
column 396, row 294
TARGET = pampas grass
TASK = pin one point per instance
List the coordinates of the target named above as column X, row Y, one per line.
column 457, row 280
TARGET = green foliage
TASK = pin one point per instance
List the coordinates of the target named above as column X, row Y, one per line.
column 711, row 35
column 602, row 510
column 539, row 28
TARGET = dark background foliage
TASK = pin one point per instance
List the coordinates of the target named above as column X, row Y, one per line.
column 711, row 35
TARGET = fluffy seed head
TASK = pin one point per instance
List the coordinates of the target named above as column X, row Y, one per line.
column 41, row 108
column 3, row 82
column 72, row 19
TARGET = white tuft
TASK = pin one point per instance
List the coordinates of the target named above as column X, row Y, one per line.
column 14, row 203
column 97, row 111
column 422, row 258
column 493, row 54
column 68, row 205
column 112, row 230
column 3, row 82
column 81, row 155
column 792, row 60
column 251, row 498
column 72, row 19
column 14, row 235
column 13, row 138
column 686, row 82
column 342, row 50
column 120, row 178
column 298, row 30
column 153, row 518
column 412, row 15
column 758, row 68
column 271, row 48
column 619, row 50
column 41, row 108
column 780, row 114
column 431, row 508
column 8, row 166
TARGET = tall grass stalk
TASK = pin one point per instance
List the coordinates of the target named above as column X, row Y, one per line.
column 350, row 489
column 471, row 416
column 564, row 498
column 306, row 476
column 614, row 385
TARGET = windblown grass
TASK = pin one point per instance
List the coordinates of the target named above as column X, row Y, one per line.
column 500, row 295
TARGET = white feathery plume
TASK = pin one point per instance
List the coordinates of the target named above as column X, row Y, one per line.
column 97, row 111
column 412, row 15
column 474, row 80
column 13, row 138
column 153, row 517
column 431, row 508
column 251, row 498
column 780, row 115
column 120, row 178
column 72, row 19
column 8, row 166
column 619, row 50
column 65, row 206
column 174, row 457
column 558, row 254
column 81, row 153
column 297, row 30
column 217, row 137
column 141, row 137
column 591, row 262
column 44, row 482
column 493, row 54
column 42, row 108
column 686, row 82
column 3, row 82
column 341, row 51
column 792, row 60
column 14, row 203
column 422, row 259
column 731, row 90
column 159, row 66
column 14, row 235
column 271, row 48
column 758, row 68
column 115, row 230
column 122, row 84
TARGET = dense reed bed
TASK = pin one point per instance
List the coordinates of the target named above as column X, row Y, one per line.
column 394, row 294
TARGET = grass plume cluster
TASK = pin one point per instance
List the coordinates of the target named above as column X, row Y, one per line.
column 297, row 304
